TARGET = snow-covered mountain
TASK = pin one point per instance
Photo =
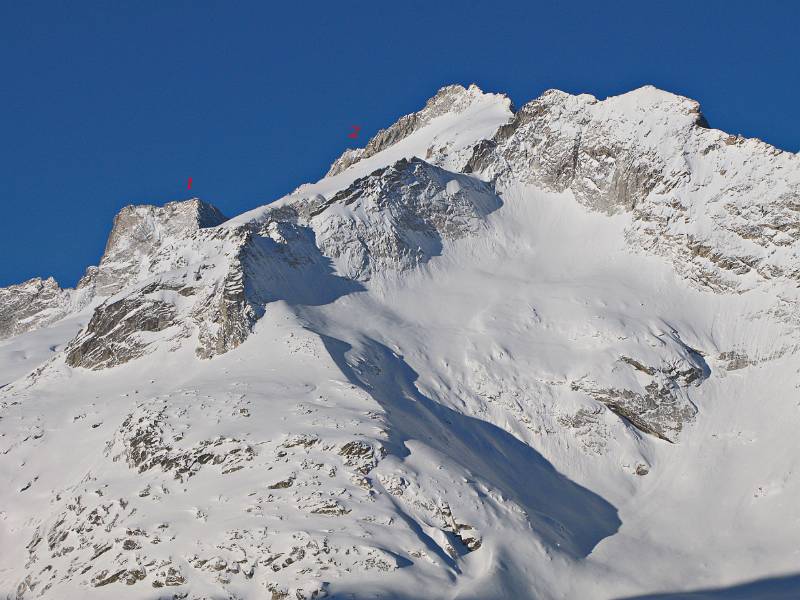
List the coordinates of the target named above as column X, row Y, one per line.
column 549, row 353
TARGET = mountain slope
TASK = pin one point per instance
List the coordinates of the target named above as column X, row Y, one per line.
column 542, row 354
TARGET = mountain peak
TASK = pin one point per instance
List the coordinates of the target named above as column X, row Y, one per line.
column 191, row 213
column 29, row 305
column 139, row 231
column 449, row 101
column 634, row 103
column 650, row 98
column 489, row 333
column 454, row 98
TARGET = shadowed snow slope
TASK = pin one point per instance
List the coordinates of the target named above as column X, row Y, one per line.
column 549, row 354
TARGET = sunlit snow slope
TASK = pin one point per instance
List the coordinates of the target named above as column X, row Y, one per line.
column 542, row 354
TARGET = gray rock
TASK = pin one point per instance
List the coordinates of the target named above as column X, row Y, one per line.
column 558, row 142
column 30, row 305
column 111, row 337
column 139, row 234
column 452, row 99
column 651, row 153
column 141, row 244
column 660, row 407
column 406, row 211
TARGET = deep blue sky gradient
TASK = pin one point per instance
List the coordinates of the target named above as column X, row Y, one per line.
column 104, row 104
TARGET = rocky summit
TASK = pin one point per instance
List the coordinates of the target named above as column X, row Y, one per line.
column 540, row 353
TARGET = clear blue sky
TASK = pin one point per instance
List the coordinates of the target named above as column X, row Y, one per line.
column 104, row 104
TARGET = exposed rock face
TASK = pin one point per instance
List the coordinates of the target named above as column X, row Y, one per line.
column 225, row 316
column 661, row 406
column 140, row 234
column 637, row 153
column 142, row 243
column 150, row 441
column 561, row 141
column 724, row 209
column 202, row 284
column 370, row 431
column 31, row 305
column 451, row 99
column 397, row 217
column 222, row 278
column 115, row 333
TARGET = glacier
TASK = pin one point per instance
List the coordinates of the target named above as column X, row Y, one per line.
column 546, row 352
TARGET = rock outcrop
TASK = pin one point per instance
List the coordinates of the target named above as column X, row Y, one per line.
column 398, row 217
column 30, row 305
column 450, row 100
column 724, row 209
column 453, row 357
column 142, row 239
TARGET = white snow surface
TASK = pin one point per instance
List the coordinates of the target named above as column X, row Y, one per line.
column 445, row 141
column 443, row 423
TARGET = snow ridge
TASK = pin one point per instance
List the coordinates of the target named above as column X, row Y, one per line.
column 549, row 353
